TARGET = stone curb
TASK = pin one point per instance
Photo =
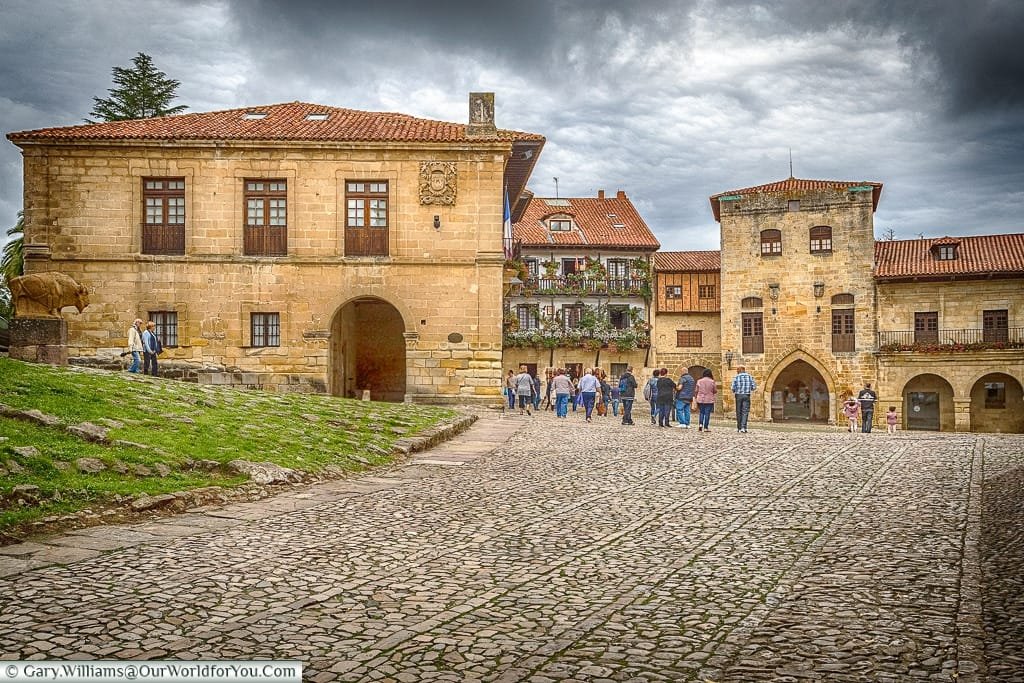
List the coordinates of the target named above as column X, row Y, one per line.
column 433, row 437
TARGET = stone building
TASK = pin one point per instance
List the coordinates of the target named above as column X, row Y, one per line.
column 815, row 308
column 295, row 246
column 579, row 292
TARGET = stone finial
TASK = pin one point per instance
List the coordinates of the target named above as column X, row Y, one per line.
column 43, row 295
column 481, row 114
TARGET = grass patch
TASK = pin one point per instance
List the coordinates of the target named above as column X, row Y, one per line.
column 179, row 421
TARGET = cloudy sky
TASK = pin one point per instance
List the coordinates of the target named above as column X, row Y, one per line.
column 669, row 100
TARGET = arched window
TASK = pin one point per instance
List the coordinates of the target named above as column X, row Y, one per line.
column 821, row 239
column 771, row 242
column 752, row 302
column 842, row 300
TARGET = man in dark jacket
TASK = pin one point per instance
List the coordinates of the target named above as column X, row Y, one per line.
column 684, row 398
column 867, row 398
column 666, row 398
column 627, row 394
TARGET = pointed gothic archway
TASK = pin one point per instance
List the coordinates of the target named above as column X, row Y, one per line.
column 368, row 350
column 800, row 393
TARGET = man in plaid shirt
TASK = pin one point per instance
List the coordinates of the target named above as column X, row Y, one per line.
column 743, row 386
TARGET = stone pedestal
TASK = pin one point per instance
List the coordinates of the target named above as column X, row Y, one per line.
column 40, row 340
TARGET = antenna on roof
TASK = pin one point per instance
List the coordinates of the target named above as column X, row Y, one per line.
column 556, row 187
column 790, row 162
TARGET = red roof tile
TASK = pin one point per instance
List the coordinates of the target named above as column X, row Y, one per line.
column 979, row 256
column 282, row 122
column 796, row 185
column 607, row 223
column 688, row 261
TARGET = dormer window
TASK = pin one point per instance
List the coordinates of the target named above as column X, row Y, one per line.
column 560, row 224
column 946, row 252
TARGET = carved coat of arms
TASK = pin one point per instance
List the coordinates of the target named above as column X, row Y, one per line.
column 437, row 182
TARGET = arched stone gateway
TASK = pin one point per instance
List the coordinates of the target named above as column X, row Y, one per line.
column 928, row 404
column 799, row 392
column 996, row 401
column 368, row 350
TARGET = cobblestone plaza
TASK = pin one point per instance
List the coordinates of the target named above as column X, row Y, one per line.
column 573, row 552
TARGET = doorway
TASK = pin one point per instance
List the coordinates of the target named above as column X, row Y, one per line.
column 368, row 351
column 800, row 393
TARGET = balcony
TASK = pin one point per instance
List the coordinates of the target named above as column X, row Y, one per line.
column 575, row 285
column 622, row 340
column 946, row 341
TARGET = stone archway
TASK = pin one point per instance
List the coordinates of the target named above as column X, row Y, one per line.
column 800, row 393
column 368, row 350
column 928, row 404
column 996, row 401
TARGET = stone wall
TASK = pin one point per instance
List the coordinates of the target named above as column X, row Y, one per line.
column 83, row 211
column 798, row 323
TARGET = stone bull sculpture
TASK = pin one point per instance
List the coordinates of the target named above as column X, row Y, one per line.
column 43, row 295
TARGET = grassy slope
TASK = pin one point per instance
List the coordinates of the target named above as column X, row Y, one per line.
column 180, row 421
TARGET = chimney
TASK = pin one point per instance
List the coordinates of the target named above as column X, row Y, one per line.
column 600, row 194
column 481, row 115
column 621, row 194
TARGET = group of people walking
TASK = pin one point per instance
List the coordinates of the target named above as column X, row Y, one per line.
column 144, row 346
column 669, row 398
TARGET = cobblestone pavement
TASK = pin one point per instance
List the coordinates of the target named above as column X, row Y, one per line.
column 572, row 552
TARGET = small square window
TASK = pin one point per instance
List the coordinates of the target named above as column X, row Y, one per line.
column 674, row 292
column 266, row 329
column 947, row 253
column 794, row 204
column 705, row 291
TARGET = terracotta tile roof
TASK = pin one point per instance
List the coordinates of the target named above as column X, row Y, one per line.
column 282, row 122
column 978, row 256
column 797, row 185
column 598, row 222
column 688, row 261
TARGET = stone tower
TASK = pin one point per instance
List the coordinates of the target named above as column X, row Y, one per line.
column 798, row 295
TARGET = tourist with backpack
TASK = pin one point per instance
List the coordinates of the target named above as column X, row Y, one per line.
column 651, row 395
column 685, row 389
column 627, row 393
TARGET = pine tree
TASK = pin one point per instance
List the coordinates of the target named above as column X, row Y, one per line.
column 141, row 92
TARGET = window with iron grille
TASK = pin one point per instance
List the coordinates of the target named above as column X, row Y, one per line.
column 690, row 338
column 266, row 329
column 529, row 316
column 843, row 331
column 753, row 333
column 571, row 316
column 821, row 239
column 995, row 326
column 166, row 326
column 163, row 228
column 926, row 327
column 771, row 242
column 705, row 291
column 674, row 292
column 618, row 316
column 366, row 218
column 266, row 217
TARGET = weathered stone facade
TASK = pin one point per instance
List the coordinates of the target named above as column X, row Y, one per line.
column 441, row 273
column 814, row 320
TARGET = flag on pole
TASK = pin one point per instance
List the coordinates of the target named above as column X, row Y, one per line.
column 507, row 228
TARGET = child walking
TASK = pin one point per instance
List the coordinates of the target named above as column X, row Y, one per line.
column 850, row 411
column 891, row 420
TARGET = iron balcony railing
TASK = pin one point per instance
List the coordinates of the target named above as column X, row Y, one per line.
column 951, row 340
column 581, row 286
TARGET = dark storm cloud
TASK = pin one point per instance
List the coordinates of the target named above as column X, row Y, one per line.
column 970, row 51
